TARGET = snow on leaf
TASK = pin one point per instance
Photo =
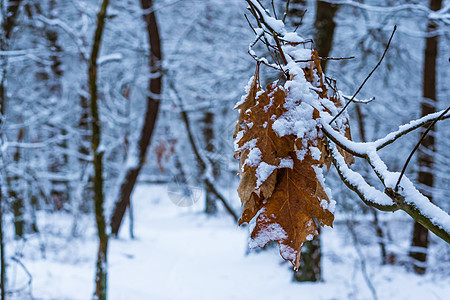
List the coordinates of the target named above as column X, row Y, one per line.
column 295, row 202
column 281, row 154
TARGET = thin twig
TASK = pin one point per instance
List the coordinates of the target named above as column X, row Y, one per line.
column 263, row 61
column 274, row 11
column 301, row 20
column 365, row 101
column 30, row 277
column 325, row 58
column 367, row 78
column 417, row 146
column 286, row 10
column 250, row 24
column 362, row 259
column 277, row 41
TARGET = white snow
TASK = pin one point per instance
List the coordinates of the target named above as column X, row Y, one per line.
column 247, row 91
column 412, row 196
column 180, row 254
column 253, row 158
column 286, row 163
column 276, row 25
column 370, row 193
column 272, row 232
column 263, row 172
column 293, row 37
column 315, row 152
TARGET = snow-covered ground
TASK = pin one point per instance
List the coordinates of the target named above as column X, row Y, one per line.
column 179, row 253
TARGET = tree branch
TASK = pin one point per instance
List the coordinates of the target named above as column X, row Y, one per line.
column 408, row 199
column 368, row 76
column 355, row 147
column 204, row 164
column 417, row 214
column 354, row 181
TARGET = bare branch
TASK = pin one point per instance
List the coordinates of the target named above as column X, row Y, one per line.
column 286, row 10
column 325, row 58
column 368, row 76
column 204, row 163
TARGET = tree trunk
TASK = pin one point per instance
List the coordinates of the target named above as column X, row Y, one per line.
column 208, row 134
column 9, row 14
column 2, row 250
column 426, row 178
column 310, row 261
column 59, row 188
column 153, row 99
column 208, row 125
column 15, row 193
column 102, row 265
column 324, row 29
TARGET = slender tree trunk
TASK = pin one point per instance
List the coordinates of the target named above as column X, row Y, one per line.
column 153, row 99
column 208, row 134
column 12, row 9
column 9, row 11
column 324, row 28
column 2, row 250
column 60, row 189
column 310, row 261
column 425, row 160
column 102, row 262
column 208, row 127
column 16, row 194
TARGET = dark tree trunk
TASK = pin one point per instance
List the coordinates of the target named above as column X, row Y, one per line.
column 153, row 99
column 16, row 194
column 310, row 267
column 426, row 161
column 102, row 261
column 59, row 188
column 9, row 17
column 12, row 182
column 324, row 28
column 208, row 128
column 208, row 134
column 2, row 250
column 310, row 261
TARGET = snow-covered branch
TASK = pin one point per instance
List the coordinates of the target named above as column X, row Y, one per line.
column 442, row 15
column 359, row 149
column 408, row 198
column 354, row 181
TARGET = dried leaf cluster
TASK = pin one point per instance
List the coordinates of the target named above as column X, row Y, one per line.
column 282, row 187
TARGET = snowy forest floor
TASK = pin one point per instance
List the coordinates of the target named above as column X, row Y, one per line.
column 179, row 253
